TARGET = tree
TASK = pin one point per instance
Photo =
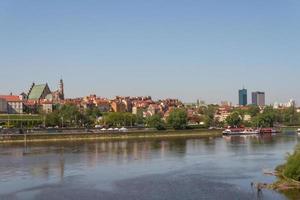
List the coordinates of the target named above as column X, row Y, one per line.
column 140, row 118
column 66, row 115
column 234, row 119
column 240, row 112
column 290, row 116
column 52, row 119
column 209, row 114
column 178, row 119
column 266, row 119
column 91, row 115
column 119, row 119
column 155, row 121
column 253, row 110
column 71, row 115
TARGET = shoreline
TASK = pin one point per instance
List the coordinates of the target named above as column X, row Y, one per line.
column 53, row 137
column 284, row 184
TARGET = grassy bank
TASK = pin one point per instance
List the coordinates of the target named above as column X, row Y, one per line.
column 289, row 173
column 108, row 136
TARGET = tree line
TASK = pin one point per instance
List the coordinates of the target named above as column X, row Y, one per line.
column 73, row 116
column 268, row 117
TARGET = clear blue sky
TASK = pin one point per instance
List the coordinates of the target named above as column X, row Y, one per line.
column 187, row 49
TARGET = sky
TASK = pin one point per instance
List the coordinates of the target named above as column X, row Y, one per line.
column 186, row 49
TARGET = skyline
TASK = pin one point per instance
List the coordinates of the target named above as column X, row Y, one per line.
column 249, row 96
column 195, row 50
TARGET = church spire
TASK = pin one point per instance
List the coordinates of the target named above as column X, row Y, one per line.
column 61, row 89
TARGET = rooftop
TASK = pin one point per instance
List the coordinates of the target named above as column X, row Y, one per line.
column 37, row 91
column 10, row 98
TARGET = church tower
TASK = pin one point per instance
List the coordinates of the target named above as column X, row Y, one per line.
column 61, row 89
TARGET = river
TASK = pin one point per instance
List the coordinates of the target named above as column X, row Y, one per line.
column 177, row 169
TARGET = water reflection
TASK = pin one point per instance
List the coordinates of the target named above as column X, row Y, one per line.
column 46, row 159
column 230, row 160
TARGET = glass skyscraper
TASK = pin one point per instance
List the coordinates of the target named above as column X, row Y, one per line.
column 258, row 98
column 243, row 97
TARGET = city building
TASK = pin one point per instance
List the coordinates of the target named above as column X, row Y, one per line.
column 14, row 103
column 138, row 110
column 258, row 98
column 42, row 92
column 103, row 105
column 3, row 106
column 243, row 97
column 289, row 104
column 226, row 103
column 39, row 92
column 47, row 107
column 154, row 109
column 222, row 113
column 118, row 106
column 60, row 93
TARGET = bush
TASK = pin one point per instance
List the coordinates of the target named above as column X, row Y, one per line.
column 155, row 121
column 292, row 167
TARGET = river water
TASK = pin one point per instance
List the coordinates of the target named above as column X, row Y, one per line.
column 162, row 169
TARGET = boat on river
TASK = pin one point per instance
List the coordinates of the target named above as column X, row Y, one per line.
column 268, row 131
column 240, row 131
column 251, row 131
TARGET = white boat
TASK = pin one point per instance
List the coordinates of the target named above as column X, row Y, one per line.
column 250, row 131
column 240, row 131
column 298, row 130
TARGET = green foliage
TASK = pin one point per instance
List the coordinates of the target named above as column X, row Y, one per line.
column 292, row 167
column 119, row 119
column 178, row 119
column 234, row 120
column 52, row 119
column 71, row 116
column 139, row 117
column 23, row 117
column 91, row 115
column 155, row 121
column 265, row 119
column 209, row 115
column 290, row 116
column 253, row 110
column 20, row 120
column 240, row 112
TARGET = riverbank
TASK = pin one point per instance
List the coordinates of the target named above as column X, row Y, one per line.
column 286, row 186
column 288, row 175
column 46, row 137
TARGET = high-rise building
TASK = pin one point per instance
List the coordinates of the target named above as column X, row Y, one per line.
column 258, row 98
column 243, row 97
